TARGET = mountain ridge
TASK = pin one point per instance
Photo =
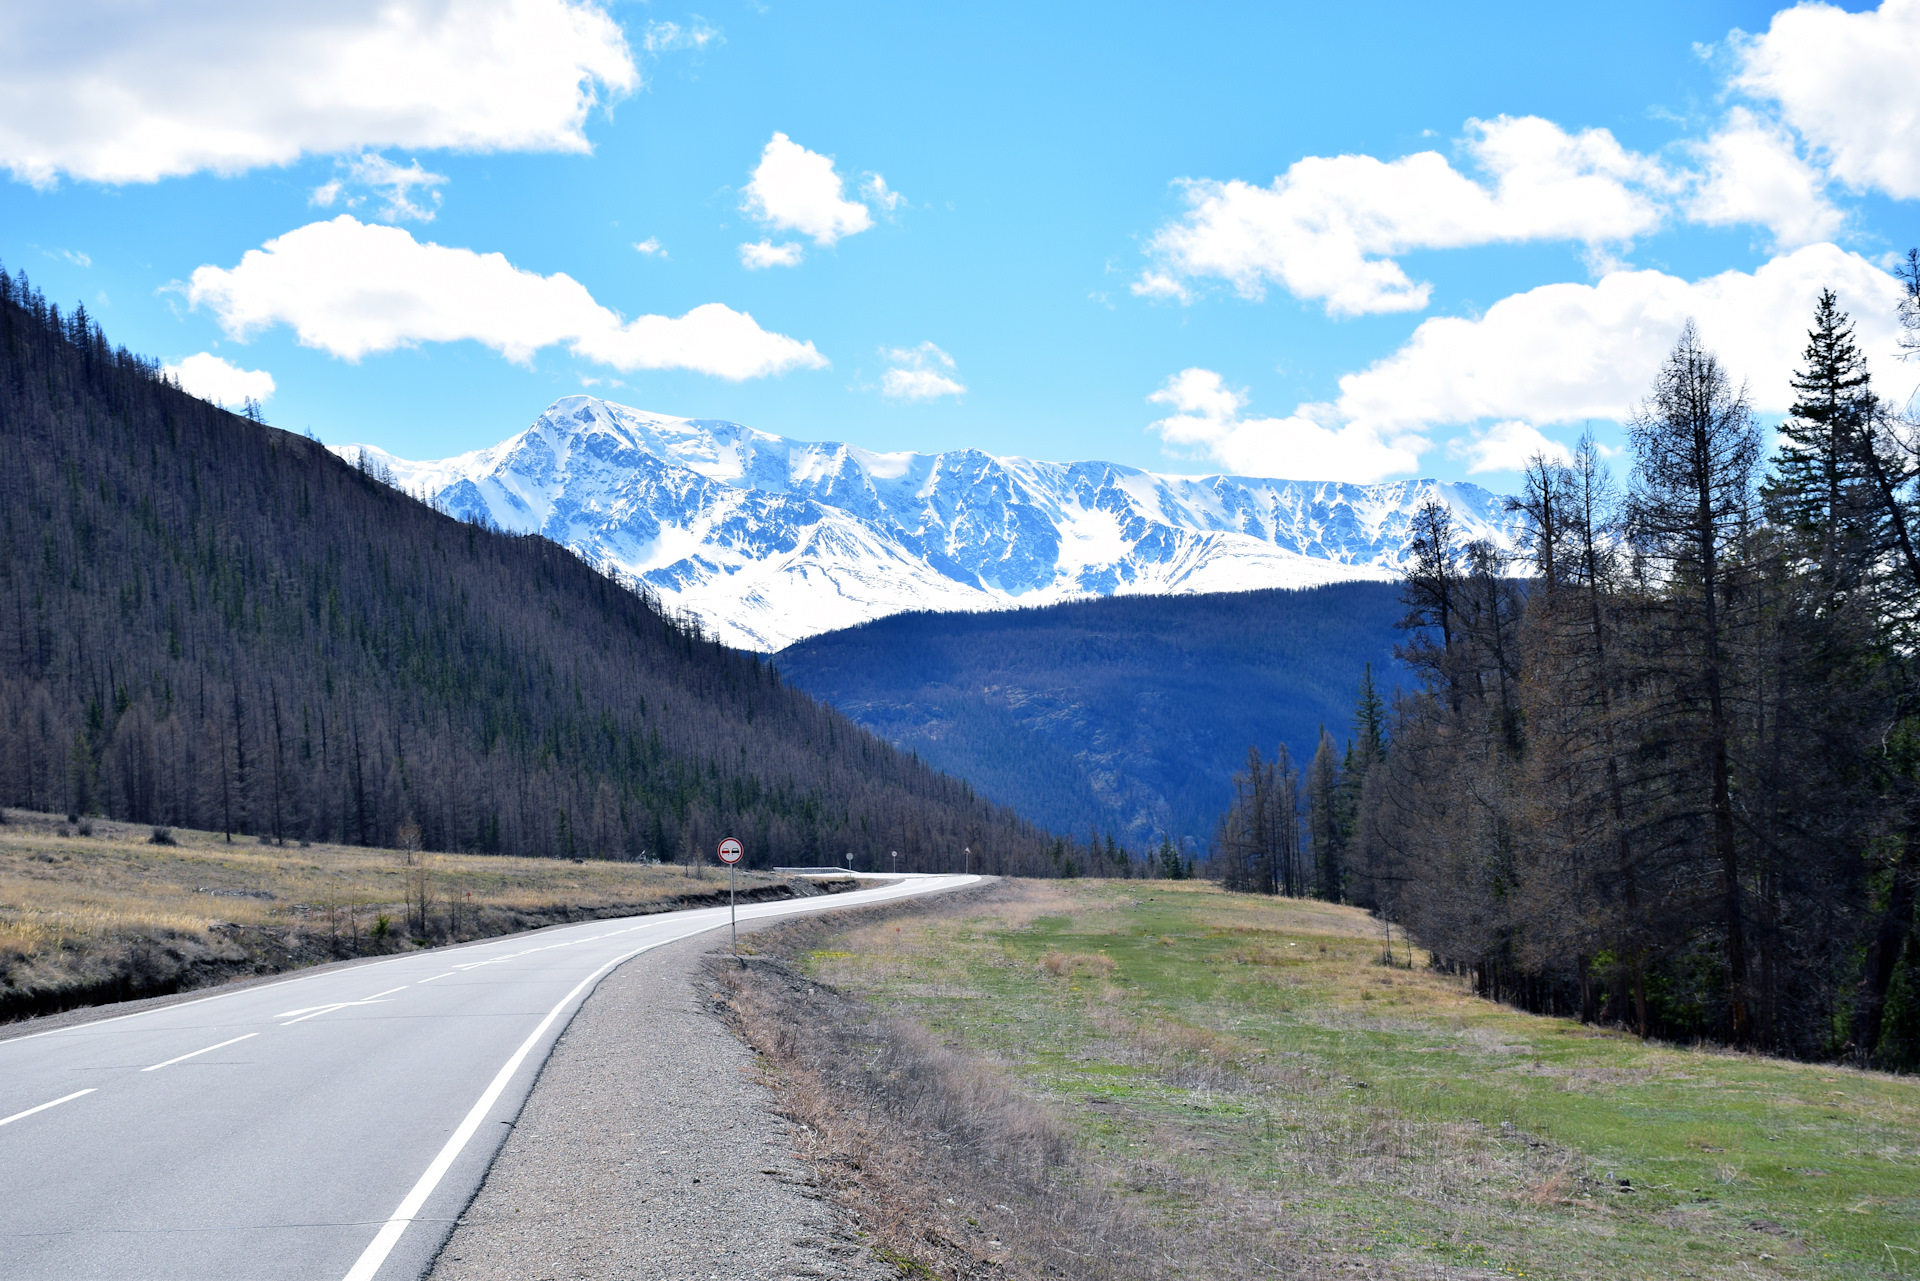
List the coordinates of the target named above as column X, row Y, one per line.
column 767, row 540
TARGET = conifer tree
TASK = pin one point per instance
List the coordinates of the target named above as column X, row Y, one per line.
column 1324, row 825
column 1696, row 447
column 1816, row 485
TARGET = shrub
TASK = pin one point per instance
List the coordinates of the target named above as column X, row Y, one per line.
column 161, row 836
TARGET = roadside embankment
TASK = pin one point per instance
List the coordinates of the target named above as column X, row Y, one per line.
column 650, row 1150
column 1111, row 1079
column 97, row 911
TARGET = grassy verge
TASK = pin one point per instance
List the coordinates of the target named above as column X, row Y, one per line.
column 1249, row 1081
column 99, row 913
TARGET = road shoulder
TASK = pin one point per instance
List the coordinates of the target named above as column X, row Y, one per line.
column 649, row 1148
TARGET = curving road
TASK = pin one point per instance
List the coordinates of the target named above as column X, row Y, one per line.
column 328, row 1125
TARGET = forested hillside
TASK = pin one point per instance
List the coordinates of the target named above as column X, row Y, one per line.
column 213, row 623
column 1673, row 780
column 1127, row 714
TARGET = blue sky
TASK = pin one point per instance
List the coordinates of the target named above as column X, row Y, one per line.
column 1356, row 242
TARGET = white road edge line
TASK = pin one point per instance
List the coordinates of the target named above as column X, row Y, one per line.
column 9, row 1120
column 196, row 1054
column 389, row 1235
column 368, row 1264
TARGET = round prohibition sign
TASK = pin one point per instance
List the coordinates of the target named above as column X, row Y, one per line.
column 731, row 852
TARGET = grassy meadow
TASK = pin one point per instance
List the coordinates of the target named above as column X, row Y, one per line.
column 99, row 912
column 1225, row 1058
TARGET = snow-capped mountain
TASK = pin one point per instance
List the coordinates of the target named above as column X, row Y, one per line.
column 768, row 540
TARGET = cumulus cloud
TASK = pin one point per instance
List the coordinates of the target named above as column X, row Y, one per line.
column 1846, row 83
column 761, row 254
column 649, row 248
column 1508, row 446
column 1754, row 174
column 393, row 185
column 115, row 92
column 1207, row 420
column 209, row 377
column 1564, row 352
column 919, row 373
column 793, row 189
column 350, row 288
column 1330, row 227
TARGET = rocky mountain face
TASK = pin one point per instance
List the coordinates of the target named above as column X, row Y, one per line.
column 768, row 540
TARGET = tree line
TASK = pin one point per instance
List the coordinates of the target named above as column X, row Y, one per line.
column 1662, row 769
column 211, row 623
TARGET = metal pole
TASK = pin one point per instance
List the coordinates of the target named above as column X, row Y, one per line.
column 733, row 912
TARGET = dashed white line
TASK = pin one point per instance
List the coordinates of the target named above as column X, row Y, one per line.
column 448, row 974
column 197, row 1053
column 9, row 1120
column 315, row 1011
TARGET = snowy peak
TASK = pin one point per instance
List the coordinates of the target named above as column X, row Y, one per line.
column 769, row 540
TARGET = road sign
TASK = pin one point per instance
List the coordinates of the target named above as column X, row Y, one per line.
column 731, row 853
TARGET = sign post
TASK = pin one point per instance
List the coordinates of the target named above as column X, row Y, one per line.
column 730, row 854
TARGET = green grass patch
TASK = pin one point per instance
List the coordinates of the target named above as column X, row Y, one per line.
column 1215, row 1049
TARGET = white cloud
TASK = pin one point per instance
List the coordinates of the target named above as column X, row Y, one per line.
column 207, row 376
column 919, row 373
column 671, row 37
column 794, row 189
column 76, row 257
column 391, row 183
column 1329, row 228
column 1564, row 352
column 759, row 255
column 1507, row 446
column 351, row 288
column 115, row 92
column 649, row 248
column 881, row 196
column 1754, row 174
column 1847, row 83
column 1207, row 417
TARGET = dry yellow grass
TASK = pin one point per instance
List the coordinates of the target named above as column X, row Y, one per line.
column 89, row 917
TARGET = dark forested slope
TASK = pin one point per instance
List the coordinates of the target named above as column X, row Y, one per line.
column 1128, row 713
column 212, row 623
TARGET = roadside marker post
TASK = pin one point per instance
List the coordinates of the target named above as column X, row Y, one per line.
column 730, row 854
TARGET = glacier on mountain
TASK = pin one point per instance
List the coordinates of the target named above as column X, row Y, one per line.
column 767, row 540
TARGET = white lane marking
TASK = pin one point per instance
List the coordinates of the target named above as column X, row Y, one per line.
column 495, row 960
column 197, row 1053
column 9, row 1120
column 448, row 974
column 389, row 1235
column 391, row 1231
column 853, row 898
column 315, row 1011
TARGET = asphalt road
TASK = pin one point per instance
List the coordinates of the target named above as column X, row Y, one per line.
column 329, row 1125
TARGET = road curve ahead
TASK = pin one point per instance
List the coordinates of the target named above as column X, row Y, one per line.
column 325, row 1126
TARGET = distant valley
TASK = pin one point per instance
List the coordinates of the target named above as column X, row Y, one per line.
column 1127, row 714
column 766, row 541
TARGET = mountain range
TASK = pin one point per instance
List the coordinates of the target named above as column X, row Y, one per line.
column 765, row 540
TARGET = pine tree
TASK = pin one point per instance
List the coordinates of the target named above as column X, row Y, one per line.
column 1696, row 447
column 1817, row 488
column 1324, row 827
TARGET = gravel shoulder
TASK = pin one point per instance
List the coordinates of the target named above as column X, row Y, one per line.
column 649, row 1149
